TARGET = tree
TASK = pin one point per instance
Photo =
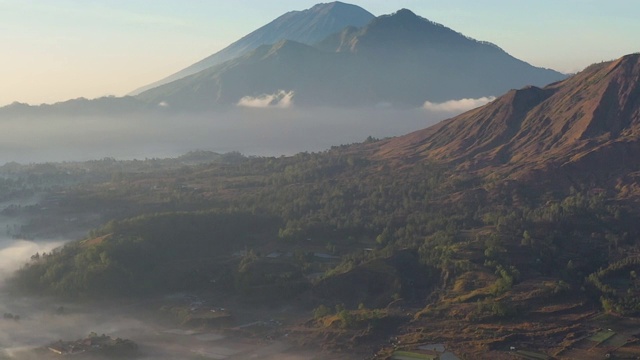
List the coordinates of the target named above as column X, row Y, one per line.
column 321, row 311
column 526, row 239
column 384, row 237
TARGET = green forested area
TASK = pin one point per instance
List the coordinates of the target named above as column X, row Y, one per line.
column 145, row 255
column 345, row 202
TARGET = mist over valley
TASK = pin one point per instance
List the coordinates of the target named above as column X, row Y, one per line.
column 255, row 131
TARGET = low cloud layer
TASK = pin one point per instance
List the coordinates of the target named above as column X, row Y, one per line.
column 15, row 253
column 249, row 130
column 281, row 99
column 458, row 106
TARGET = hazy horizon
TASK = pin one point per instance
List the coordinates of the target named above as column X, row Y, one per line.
column 250, row 131
column 69, row 50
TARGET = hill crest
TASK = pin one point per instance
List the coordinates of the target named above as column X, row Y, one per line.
column 566, row 124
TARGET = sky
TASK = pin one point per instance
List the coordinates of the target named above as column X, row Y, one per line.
column 58, row 50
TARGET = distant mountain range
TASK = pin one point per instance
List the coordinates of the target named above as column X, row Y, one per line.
column 333, row 54
column 587, row 127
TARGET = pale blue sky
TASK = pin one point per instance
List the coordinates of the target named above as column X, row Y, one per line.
column 62, row 49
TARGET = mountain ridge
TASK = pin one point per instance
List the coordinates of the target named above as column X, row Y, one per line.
column 558, row 126
column 396, row 59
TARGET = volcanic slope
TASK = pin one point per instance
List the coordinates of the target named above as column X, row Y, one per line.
column 587, row 124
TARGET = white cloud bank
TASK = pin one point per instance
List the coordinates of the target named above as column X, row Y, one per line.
column 281, row 99
column 15, row 253
column 457, row 105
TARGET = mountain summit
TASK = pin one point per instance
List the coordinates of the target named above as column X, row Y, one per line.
column 306, row 26
column 402, row 28
column 433, row 62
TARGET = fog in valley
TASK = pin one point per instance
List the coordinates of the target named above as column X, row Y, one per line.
column 256, row 131
column 29, row 325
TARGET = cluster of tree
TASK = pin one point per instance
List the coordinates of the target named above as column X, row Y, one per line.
column 146, row 255
column 618, row 286
column 491, row 309
column 453, row 221
column 362, row 317
column 263, row 279
column 10, row 316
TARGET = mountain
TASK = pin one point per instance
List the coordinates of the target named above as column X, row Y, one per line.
column 399, row 59
column 106, row 105
column 306, row 26
column 425, row 60
column 589, row 121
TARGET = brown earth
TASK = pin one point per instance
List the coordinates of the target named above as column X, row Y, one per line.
column 588, row 124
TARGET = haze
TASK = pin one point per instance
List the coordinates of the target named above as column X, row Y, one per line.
column 251, row 131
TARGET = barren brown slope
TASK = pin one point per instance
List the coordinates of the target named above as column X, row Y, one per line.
column 589, row 121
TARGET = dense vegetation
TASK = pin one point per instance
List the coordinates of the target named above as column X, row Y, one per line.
column 146, row 255
column 357, row 210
